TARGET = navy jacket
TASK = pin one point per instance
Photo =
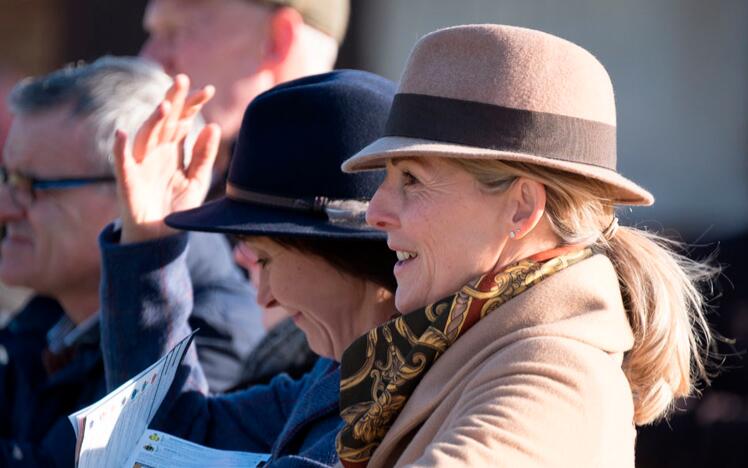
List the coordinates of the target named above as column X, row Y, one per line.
column 295, row 420
column 284, row 349
column 34, row 430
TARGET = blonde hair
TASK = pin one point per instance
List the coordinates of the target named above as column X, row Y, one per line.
column 660, row 287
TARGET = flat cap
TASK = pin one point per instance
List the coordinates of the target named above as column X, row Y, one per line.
column 328, row 16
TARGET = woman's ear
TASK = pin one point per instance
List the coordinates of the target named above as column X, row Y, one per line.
column 528, row 198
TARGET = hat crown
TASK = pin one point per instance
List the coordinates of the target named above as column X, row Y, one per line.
column 501, row 92
column 511, row 67
column 285, row 146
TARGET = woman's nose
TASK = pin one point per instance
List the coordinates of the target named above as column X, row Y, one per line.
column 265, row 296
column 381, row 213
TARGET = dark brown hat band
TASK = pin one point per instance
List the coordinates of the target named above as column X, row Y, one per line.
column 500, row 128
column 345, row 213
column 313, row 204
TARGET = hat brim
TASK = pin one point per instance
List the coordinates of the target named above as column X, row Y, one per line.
column 231, row 217
column 374, row 156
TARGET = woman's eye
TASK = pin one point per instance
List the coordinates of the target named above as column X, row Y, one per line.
column 409, row 179
column 263, row 262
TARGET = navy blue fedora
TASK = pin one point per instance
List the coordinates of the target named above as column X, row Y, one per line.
column 285, row 176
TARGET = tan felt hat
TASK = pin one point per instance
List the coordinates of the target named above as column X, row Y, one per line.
column 328, row 16
column 503, row 92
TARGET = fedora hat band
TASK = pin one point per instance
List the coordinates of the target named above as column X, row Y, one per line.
column 501, row 128
column 343, row 213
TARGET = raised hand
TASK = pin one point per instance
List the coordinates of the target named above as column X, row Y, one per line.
column 152, row 180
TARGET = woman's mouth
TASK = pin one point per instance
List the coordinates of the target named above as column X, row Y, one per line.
column 404, row 256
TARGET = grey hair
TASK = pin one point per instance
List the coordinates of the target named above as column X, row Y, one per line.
column 110, row 93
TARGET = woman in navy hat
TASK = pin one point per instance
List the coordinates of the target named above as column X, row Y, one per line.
column 287, row 200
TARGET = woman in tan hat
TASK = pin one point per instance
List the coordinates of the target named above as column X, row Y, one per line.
column 538, row 332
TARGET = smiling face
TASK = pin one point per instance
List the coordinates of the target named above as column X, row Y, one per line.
column 331, row 307
column 247, row 259
column 446, row 229
column 51, row 243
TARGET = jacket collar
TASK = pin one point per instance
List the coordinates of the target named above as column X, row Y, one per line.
column 582, row 302
column 66, row 334
column 319, row 400
column 87, row 360
column 37, row 316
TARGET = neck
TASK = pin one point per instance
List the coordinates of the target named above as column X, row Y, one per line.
column 540, row 239
column 377, row 307
column 79, row 306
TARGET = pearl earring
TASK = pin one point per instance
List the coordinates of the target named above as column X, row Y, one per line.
column 513, row 233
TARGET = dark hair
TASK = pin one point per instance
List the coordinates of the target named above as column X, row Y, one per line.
column 365, row 259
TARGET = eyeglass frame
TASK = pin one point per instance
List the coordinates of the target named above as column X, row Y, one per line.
column 16, row 182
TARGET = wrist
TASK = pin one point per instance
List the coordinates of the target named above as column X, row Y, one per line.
column 133, row 233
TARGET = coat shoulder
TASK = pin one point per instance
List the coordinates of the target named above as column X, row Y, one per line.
column 545, row 401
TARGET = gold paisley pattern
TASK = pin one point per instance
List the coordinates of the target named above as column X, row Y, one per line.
column 380, row 370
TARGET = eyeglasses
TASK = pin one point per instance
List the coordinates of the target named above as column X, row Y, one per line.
column 23, row 189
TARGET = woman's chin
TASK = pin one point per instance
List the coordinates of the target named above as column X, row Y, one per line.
column 322, row 352
column 405, row 304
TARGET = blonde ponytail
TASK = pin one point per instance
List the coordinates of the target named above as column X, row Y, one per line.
column 666, row 311
column 660, row 287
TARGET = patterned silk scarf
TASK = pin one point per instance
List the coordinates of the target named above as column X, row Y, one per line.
column 380, row 370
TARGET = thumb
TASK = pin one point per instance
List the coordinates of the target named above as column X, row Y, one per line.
column 122, row 159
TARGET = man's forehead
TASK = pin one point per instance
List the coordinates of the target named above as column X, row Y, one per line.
column 172, row 10
column 174, row 13
column 52, row 142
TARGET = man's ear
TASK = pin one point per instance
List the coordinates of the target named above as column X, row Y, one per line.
column 283, row 31
column 528, row 199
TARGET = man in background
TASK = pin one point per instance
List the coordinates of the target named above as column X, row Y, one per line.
column 11, row 299
column 243, row 48
column 58, row 194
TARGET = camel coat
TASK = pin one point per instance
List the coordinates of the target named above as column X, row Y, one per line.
column 537, row 383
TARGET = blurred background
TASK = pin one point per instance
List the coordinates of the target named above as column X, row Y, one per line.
column 679, row 68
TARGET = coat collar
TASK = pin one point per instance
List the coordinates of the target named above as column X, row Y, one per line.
column 582, row 302
column 87, row 360
column 318, row 400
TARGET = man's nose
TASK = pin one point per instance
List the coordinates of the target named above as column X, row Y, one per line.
column 158, row 50
column 9, row 209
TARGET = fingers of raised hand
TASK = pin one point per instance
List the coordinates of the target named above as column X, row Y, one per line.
column 175, row 96
column 147, row 135
column 193, row 104
column 204, row 153
column 198, row 98
column 122, row 157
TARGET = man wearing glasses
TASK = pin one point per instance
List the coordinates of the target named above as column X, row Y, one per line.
column 57, row 194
